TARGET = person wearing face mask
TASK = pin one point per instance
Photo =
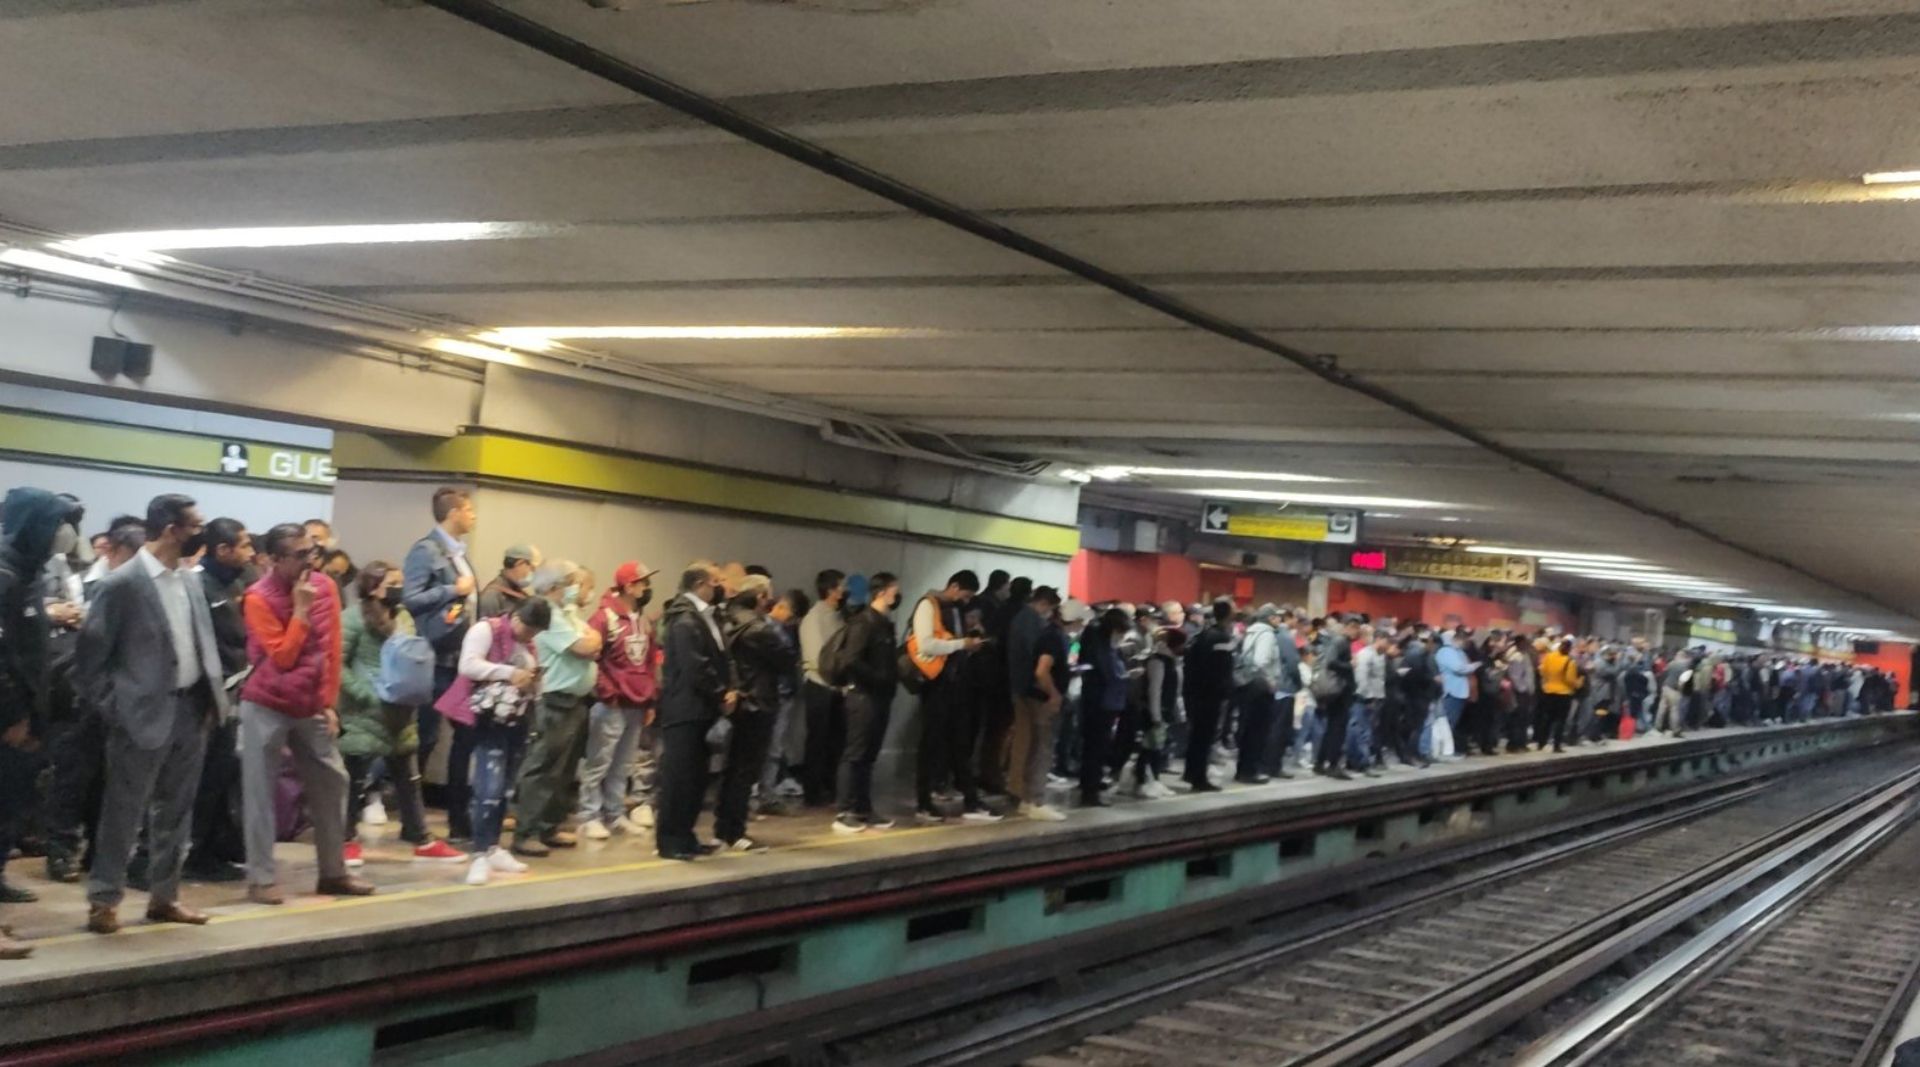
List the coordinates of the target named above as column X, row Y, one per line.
column 762, row 659
column 695, row 691
column 372, row 729
column 148, row 665
column 513, row 584
column 873, row 670
column 288, row 704
column 35, row 525
column 226, row 570
column 569, row 651
column 624, row 698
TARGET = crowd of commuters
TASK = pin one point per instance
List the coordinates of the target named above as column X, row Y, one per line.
column 188, row 694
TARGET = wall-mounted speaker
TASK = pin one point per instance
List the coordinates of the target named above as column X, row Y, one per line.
column 114, row 356
column 109, row 356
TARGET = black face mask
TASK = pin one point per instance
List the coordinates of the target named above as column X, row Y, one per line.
column 392, row 598
column 717, row 596
column 642, row 600
column 194, row 544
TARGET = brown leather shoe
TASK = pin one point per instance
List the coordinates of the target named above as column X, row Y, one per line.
column 266, row 894
column 348, row 886
column 561, row 839
column 176, row 912
column 102, row 919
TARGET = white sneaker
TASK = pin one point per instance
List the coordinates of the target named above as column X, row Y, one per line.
column 501, row 860
column 980, row 815
column 1058, row 781
column 375, row 813
column 849, row 825
column 624, row 825
column 744, row 844
column 1155, row 790
column 642, row 816
column 479, row 871
column 787, row 787
column 595, row 830
column 1042, row 813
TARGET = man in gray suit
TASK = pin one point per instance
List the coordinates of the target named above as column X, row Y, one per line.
column 149, row 662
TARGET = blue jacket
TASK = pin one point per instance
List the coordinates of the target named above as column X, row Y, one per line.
column 1455, row 669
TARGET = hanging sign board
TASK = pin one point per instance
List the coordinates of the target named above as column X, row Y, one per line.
column 1240, row 519
column 1460, row 566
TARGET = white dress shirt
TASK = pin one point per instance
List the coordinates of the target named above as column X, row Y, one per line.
column 706, row 616
column 171, row 584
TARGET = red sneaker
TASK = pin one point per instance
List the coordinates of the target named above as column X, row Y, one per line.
column 439, row 852
column 352, row 852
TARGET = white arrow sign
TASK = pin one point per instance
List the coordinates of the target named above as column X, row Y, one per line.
column 1214, row 518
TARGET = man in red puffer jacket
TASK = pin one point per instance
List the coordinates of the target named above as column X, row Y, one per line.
column 293, row 645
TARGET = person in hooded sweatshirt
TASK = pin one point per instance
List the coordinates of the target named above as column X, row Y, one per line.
column 35, row 525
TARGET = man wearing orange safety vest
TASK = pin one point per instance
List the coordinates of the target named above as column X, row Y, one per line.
column 949, row 723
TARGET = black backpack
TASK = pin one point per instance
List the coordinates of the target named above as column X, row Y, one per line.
column 836, row 658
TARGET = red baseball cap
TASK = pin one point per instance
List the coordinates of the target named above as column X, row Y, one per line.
column 630, row 572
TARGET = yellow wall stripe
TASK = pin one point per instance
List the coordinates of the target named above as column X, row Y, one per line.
column 486, row 455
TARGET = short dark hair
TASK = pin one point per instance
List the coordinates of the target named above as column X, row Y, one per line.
column 1022, row 588
column 278, row 537
column 224, row 531
column 998, row 578
column 446, row 500
column 167, row 509
column 798, row 602
column 880, row 583
column 1044, row 594
column 826, row 582
column 755, row 568
column 535, row 613
column 698, row 571
column 966, row 580
column 126, row 531
column 1222, row 609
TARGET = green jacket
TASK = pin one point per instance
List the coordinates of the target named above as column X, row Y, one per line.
column 368, row 726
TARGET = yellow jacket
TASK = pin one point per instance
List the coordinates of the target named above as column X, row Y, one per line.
column 1558, row 675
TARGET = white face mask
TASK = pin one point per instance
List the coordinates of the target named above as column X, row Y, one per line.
column 65, row 539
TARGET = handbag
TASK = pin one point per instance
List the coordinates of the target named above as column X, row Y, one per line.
column 1325, row 685
column 501, row 702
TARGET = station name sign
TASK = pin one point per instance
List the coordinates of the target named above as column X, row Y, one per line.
column 1454, row 566
column 1241, row 519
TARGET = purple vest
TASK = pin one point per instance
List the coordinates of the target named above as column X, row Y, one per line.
column 455, row 703
column 296, row 690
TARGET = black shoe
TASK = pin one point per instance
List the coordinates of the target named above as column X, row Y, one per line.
column 681, row 855
column 1558, row 748
column 1376, row 771
column 1252, row 779
column 62, row 869
column 1093, row 800
column 708, row 848
column 1286, row 774
column 1202, row 787
column 1340, row 774
column 13, row 894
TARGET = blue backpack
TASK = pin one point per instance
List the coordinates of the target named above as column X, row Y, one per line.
column 406, row 670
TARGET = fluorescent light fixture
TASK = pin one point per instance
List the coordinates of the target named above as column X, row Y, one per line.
column 1891, row 177
column 1555, row 563
column 456, row 346
column 1201, row 472
column 301, row 236
column 1075, row 475
column 537, row 336
column 50, row 264
column 1581, row 557
column 1327, row 499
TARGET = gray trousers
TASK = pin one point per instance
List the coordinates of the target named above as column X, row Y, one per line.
column 264, row 734
column 153, row 785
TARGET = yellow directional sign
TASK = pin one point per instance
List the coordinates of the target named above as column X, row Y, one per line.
column 1290, row 524
column 1460, row 566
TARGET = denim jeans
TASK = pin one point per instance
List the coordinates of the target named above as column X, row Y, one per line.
column 1360, row 733
column 495, row 751
column 613, row 735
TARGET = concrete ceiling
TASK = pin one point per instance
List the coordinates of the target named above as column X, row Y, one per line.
column 1624, row 237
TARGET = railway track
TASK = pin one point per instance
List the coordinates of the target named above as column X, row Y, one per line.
column 1431, row 976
